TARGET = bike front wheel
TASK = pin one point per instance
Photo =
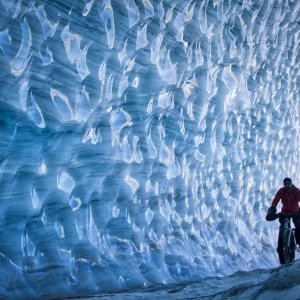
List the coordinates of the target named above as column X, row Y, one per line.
column 286, row 246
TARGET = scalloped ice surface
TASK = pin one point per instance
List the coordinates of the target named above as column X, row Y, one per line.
column 141, row 140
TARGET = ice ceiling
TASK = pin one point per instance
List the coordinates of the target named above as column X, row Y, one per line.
column 142, row 141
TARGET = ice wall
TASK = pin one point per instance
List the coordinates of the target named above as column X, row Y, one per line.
column 142, row 140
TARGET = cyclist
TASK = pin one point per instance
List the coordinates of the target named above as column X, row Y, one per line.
column 290, row 198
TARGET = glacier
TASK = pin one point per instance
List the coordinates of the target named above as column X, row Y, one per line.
column 142, row 140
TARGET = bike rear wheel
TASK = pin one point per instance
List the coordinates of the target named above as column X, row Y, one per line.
column 286, row 246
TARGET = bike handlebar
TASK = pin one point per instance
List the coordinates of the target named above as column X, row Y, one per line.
column 287, row 215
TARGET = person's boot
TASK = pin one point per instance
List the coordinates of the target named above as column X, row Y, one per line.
column 297, row 236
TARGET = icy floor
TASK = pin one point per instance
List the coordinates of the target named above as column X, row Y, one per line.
column 278, row 283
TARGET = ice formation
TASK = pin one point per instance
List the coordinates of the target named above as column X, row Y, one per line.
column 142, row 140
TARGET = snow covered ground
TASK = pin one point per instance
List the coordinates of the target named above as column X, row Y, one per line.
column 281, row 283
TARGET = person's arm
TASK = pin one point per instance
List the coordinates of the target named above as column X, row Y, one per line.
column 272, row 210
column 276, row 199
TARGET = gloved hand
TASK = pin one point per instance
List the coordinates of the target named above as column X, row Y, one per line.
column 271, row 214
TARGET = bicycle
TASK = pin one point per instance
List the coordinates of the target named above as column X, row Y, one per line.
column 286, row 239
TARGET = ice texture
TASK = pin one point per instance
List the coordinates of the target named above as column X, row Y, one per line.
column 142, row 140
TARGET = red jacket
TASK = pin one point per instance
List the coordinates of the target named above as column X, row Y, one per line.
column 290, row 199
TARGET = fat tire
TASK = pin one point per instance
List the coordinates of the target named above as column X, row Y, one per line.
column 286, row 252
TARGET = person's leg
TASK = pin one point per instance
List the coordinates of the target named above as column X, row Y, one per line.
column 297, row 229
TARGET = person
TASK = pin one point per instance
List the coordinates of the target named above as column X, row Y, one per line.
column 289, row 195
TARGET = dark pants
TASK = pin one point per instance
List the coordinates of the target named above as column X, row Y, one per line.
column 296, row 222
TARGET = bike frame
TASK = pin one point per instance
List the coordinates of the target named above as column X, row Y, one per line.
column 288, row 230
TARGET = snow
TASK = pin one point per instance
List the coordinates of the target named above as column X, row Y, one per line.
column 276, row 283
column 141, row 143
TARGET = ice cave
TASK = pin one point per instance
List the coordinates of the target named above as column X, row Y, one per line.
column 142, row 141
